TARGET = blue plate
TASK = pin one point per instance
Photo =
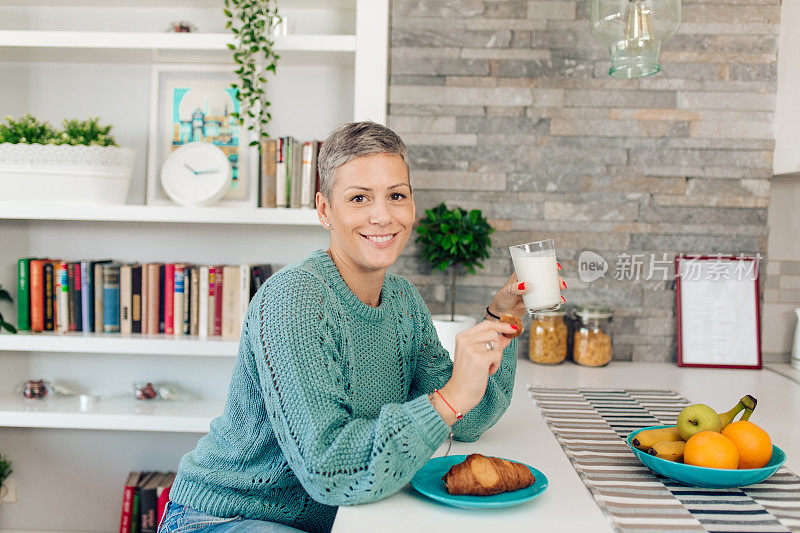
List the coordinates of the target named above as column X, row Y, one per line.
column 714, row 478
column 428, row 481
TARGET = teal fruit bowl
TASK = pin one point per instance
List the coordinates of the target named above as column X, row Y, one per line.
column 714, row 478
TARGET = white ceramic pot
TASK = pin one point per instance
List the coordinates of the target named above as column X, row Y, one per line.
column 63, row 173
column 448, row 329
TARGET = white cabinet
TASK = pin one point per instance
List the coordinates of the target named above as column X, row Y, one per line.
column 85, row 58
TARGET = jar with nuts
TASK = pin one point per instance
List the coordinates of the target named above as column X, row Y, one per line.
column 592, row 337
column 548, row 343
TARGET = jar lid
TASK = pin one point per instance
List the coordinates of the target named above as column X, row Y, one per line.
column 550, row 313
column 588, row 311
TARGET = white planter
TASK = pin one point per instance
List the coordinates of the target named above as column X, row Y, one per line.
column 448, row 329
column 63, row 173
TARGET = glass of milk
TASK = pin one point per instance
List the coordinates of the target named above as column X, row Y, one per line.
column 535, row 264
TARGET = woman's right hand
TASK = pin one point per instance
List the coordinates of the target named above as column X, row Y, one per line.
column 474, row 362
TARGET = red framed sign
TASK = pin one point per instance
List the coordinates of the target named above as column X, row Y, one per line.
column 717, row 308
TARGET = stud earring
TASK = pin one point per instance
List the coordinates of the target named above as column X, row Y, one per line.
column 327, row 224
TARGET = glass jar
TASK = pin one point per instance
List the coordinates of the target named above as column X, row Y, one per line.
column 35, row 389
column 592, row 338
column 548, row 342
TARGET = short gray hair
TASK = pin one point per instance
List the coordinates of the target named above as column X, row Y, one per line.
column 353, row 140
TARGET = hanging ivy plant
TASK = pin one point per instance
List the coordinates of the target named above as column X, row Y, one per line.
column 250, row 21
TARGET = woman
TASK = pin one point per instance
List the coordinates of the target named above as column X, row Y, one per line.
column 341, row 390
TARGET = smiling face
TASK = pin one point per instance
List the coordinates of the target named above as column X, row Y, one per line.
column 370, row 210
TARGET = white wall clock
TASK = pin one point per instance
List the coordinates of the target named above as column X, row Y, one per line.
column 197, row 173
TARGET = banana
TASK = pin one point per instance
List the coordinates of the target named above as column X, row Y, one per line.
column 748, row 403
column 671, row 450
column 644, row 440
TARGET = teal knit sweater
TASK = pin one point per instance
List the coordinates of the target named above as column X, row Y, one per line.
column 328, row 402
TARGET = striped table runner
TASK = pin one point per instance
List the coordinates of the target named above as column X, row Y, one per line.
column 592, row 424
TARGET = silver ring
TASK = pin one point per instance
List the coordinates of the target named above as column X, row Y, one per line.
column 489, row 345
column 509, row 289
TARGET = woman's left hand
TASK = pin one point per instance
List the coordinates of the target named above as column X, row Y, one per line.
column 508, row 299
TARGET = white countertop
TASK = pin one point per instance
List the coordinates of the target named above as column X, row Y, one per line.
column 523, row 435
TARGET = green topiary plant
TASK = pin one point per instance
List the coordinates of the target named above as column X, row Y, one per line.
column 4, row 296
column 6, row 469
column 27, row 130
column 84, row 132
column 254, row 55
column 453, row 237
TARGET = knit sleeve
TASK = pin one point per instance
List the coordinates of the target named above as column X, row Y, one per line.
column 340, row 459
column 434, row 369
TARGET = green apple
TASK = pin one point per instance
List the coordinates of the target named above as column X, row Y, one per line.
column 696, row 418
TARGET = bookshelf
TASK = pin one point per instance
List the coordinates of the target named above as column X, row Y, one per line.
column 114, row 343
column 109, row 413
column 147, row 213
column 87, row 58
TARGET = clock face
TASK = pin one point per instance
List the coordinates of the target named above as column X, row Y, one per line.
column 197, row 173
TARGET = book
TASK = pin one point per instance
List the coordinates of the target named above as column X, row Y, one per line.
column 169, row 298
column 95, row 287
column 148, row 502
column 266, row 178
column 202, row 301
column 160, row 296
column 97, row 272
column 111, row 298
column 23, row 294
column 154, row 288
column 36, row 275
column 212, row 297
column 258, row 275
column 281, row 199
column 136, row 298
column 162, row 494
column 128, row 492
column 230, row 300
column 296, row 188
column 62, row 298
column 49, row 296
column 309, row 175
column 244, row 296
column 219, row 286
column 87, row 316
column 145, row 298
column 125, row 289
column 178, row 284
column 194, row 300
column 77, row 296
column 187, row 299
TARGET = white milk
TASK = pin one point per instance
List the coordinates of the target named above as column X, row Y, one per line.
column 539, row 271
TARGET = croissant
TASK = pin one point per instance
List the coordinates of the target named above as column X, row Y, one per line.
column 479, row 475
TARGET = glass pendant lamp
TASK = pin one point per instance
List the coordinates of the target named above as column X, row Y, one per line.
column 633, row 31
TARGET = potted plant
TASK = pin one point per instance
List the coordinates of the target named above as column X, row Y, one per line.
column 252, row 22
column 453, row 238
column 4, row 296
column 78, row 163
column 6, row 469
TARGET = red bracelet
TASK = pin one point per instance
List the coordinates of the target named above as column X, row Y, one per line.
column 459, row 416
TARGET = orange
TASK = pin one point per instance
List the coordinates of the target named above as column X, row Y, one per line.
column 753, row 443
column 712, row 450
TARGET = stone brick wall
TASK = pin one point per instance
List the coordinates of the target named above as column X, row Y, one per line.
column 506, row 106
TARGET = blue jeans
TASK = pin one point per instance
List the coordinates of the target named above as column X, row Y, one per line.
column 180, row 519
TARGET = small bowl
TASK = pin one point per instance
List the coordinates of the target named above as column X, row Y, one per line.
column 699, row 476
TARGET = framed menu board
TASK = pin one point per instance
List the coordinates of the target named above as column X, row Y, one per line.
column 718, row 319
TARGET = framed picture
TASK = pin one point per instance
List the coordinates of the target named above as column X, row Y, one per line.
column 194, row 103
column 717, row 305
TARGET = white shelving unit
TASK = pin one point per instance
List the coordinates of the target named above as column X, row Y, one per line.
column 86, row 58
column 109, row 413
column 114, row 343
column 146, row 213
